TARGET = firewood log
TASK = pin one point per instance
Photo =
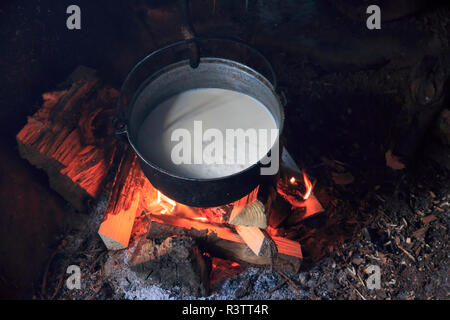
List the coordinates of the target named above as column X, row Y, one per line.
column 223, row 243
column 253, row 214
column 64, row 135
column 124, row 201
column 256, row 240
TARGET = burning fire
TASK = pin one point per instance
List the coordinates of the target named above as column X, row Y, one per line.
column 308, row 185
column 166, row 205
column 165, row 202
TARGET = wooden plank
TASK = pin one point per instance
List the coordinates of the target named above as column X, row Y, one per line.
column 288, row 247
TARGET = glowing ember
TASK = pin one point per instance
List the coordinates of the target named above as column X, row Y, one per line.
column 292, row 180
column 235, row 264
column 308, row 185
column 204, row 219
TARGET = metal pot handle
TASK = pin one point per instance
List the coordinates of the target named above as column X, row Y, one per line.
column 189, row 33
column 187, row 29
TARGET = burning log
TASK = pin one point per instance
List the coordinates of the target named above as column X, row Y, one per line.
column 296, row 188
column 123, row 204
column 62, row 137
column 223, row 243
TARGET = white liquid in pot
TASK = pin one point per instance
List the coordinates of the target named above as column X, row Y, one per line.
column 215, row 108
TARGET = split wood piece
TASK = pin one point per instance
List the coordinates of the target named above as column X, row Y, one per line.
column 123, row 204
column 251, row 215
column 223, row 243
column 131, row 193
column 256, row 240
column 70, row 137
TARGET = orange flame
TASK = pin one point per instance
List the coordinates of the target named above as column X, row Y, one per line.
column 308, row 185
column 165, row 202
column 292, row 180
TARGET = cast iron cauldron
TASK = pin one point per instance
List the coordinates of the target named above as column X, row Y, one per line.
column 190, row 64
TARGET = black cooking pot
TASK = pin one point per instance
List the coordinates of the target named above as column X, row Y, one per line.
column 191, row 64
